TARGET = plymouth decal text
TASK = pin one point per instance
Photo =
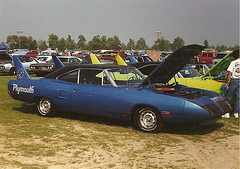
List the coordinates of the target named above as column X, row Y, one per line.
column 19, row 89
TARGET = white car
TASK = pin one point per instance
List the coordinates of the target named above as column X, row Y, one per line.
column 6, row 65
column 27, row 61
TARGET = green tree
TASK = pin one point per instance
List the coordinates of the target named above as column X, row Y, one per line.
column 53, row 41
column 32, row 43
column 104, row 42
column 131, row 45
column 81, row 42
column 161, row 44
column 114, row 43
column 95, row 43
column 141, row 44
column 62, row 44
column 123, row 46
column 234, row 47
column 24, row 42
column 177, row 43
column 206, row 44
column 221, row 48
column 42, row 45
column 70, row 43
column 13, row 42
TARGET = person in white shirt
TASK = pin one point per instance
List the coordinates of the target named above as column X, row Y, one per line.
column 233, row 86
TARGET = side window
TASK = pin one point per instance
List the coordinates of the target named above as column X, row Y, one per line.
column 64, row 60
column 210, row 55
column 91, row 76
column 204, row 55
column 70, row 77
column 74, row 60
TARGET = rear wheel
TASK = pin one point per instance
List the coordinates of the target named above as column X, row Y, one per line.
column 45, row 107
column 148, row 120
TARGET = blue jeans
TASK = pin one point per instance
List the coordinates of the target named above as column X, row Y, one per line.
column 234, row 91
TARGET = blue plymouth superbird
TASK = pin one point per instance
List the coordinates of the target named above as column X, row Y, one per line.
column 122, row 92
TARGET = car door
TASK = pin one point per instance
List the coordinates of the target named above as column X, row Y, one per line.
column 90, row 96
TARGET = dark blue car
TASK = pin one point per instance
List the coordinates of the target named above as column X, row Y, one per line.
column 122, row 92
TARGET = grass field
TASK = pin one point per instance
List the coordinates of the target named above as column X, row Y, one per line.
column 83, row 141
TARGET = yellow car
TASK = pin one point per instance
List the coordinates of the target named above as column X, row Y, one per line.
column 213, row 80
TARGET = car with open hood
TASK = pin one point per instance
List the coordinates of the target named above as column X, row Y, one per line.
column 6, row 65
column 123, row 92
column 213, row 79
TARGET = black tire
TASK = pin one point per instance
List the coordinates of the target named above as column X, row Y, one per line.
column 148, row 120
column 45, row 107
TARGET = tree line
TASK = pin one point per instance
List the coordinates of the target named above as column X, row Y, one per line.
column 98, row 42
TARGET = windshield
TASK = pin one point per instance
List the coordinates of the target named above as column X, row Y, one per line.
column 42, row 58
column 126, row 76
column 4, row 57
column 189, row 71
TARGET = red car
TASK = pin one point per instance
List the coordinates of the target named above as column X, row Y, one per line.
column 110, row 55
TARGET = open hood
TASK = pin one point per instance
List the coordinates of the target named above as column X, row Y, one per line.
column 221, row 65
column 172, row 64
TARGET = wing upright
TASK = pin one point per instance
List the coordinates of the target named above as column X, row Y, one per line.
column 20, row 70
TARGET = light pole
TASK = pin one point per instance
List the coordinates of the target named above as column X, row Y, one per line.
column 158, row 33
column 19, row 32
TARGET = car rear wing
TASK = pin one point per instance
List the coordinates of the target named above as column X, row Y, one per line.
column 20, row 70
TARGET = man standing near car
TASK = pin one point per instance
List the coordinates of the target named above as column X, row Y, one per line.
column 233, row 87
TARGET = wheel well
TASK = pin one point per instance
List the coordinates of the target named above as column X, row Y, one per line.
column 37, row 98
column 142, row 106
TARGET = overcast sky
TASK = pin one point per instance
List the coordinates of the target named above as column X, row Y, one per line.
column 193, row 20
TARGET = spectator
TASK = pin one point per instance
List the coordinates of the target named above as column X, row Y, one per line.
column 233, row 87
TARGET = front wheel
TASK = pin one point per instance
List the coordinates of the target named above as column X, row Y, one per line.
column 45, row 107
column 148, row 120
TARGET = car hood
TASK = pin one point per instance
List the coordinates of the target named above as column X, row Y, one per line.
column 172, row 64
column 221, row 65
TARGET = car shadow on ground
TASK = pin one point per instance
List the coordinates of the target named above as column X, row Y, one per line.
column 191, row 128
column 95, row 119
column 170, row 128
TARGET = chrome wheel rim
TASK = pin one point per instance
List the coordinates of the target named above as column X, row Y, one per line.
column 44, row 106
column 148, row 120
